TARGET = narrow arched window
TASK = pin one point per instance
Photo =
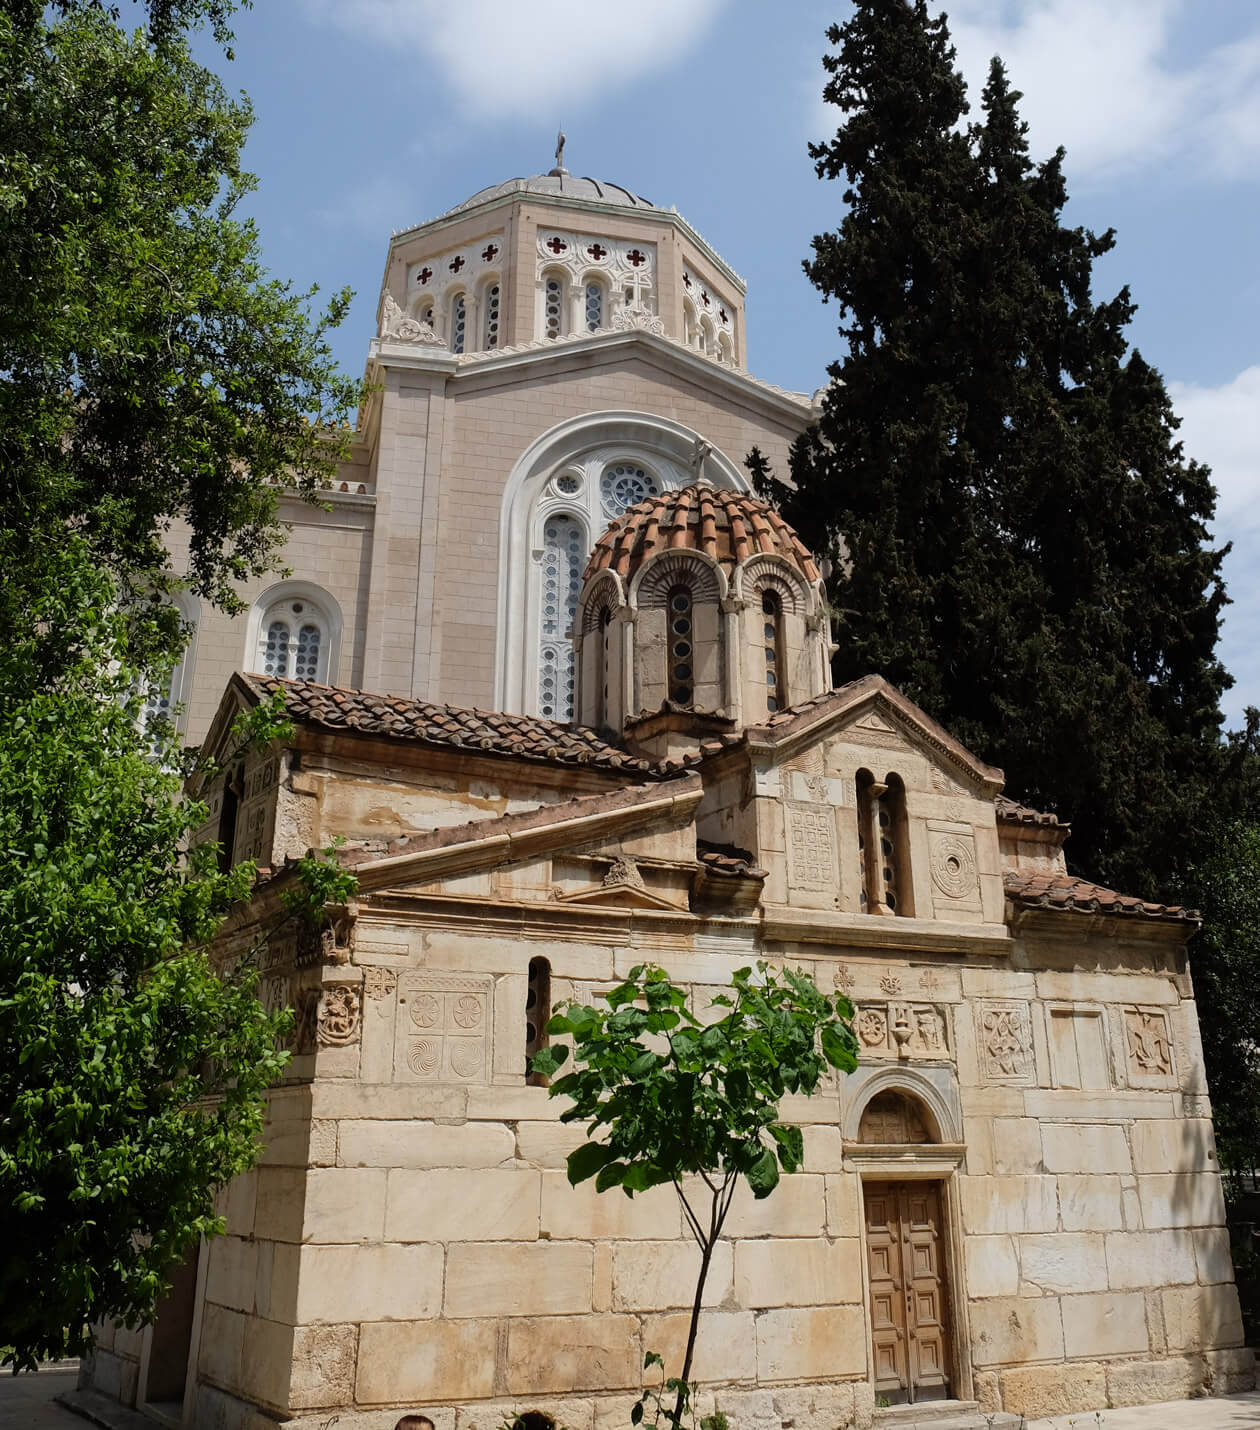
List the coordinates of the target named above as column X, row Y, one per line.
column 459, row 322
column 553, row 306
column 681, row 646
column 772, row 641
column 689, row 325
column 563, row 556
column 706, row 336
column 603, row 681
column 726, row 350
column 537, row 1012
column 594, row 307
column 491, row 335
column 883, row 844
column 424, row 314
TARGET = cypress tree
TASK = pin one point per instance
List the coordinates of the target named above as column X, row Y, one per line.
column 1018, row 541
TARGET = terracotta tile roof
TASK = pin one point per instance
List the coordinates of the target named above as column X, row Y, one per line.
column 524, row 737
column 726, row 525
column 1011, row 812
column 726, row 859
column 1041, row 890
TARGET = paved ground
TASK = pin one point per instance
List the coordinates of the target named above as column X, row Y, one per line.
column 26, row 1403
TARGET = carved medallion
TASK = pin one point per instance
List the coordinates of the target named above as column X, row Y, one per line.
column 872, row 1027
column 450, row 1010
column 953, row 865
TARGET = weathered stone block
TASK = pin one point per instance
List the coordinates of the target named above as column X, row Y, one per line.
column 1063, row 1262
column 380, row 1282
column 426, row 1360
column 489, row 1205
column 815, row 1407
column 1110, row 1324
column 571, row 1353
column 1146, row 1382
column 1200, row 1318
column 1038, row 1391
column 1090, row 1203
column 1011, row 1330
column 518, row 1278
column 661, row 1275
column 1213, row 1256
column 547, row 1144
column 1231, row 1371
column 222, row 1335
column 1149, row 1258
column 1084, row 1147
column 1182, row 1199
column 584, row 1213
column 323, row 1366
column 279, row 1204
column 844, row 1215
column 1016, row 1145
column 992, row 1266
column 424, row 1144
column 799, row 1272
column 797, row 1208
column 810, row 1343
column 344, row 1204
column 994, row 1205
column 724, row 1344
column 267, row 1363
column 1181, row 1144
column 231, row 1272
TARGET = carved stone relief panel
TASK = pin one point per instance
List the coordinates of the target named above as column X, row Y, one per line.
column 1004, row 1030
column 813, row 861
column 442, row 1032
column 1150, row 1060
column 256, row 818
column 339, row 1015
column 903, row 1030
column 952, row 866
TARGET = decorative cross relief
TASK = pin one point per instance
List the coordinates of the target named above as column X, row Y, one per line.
column 1149, row 1047
column 443, row 1028
column 903, row 1030
column 1005, row 1033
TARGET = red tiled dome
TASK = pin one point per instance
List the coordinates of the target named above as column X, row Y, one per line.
column 725, row 525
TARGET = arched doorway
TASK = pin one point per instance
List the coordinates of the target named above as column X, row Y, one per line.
column 905, row 1210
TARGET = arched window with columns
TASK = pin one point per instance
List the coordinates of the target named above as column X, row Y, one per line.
column 294, row 633
column 563, row 557
column 459, row 322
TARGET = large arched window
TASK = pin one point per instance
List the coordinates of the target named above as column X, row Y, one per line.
column 294, row 631
column 588, row 469
column 563, row 556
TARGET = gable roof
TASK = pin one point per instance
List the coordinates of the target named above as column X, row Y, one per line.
column 522, row 737
column 1040, row 889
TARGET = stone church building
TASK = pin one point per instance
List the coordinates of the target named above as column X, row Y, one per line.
column 561, row 683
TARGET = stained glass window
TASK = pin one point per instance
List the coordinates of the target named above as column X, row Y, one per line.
column 564, row 553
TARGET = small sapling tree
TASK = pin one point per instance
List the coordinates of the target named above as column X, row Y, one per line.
column 670, row 1098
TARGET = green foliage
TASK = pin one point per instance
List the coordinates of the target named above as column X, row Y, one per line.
column 320, row 881
column 153, row 372
column 1018, row 540
column 677, row 1099
column 130, row 1072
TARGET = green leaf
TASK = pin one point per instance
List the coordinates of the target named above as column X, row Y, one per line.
column 838, row 1051
column 791, row 1146
column 584, row 1161
column 763, row 1175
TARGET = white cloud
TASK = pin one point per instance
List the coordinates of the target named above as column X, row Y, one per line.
column 533, row 58
column 1105, row 81
column 1111, row 81
column 1221, row 426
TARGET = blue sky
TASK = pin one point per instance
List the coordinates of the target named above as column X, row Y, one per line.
column 373, row 115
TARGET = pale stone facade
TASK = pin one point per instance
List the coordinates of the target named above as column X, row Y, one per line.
column 1013, row 1201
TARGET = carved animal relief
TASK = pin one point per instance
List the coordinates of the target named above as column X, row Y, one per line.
column 442, row 1031
column 1005, row 1033
column 340, row 1009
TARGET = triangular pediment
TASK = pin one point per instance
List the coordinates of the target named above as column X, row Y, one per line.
column 871, row 711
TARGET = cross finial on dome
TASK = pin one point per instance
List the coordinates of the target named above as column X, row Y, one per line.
column 559, row 171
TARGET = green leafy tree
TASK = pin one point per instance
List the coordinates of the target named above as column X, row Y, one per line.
column 1017, row 539
column 158, row 384
column 670, row 1098
column 131, row 1073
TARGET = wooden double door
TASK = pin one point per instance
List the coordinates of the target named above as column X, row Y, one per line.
column 905, row 1237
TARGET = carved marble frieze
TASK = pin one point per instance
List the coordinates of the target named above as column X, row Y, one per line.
column 903, row 1030
column 1150, row 1059
column 813, row 857
column 442, row 1032
column 1004, row 1035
